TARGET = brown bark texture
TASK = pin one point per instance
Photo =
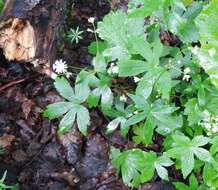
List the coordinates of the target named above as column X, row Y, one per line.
column 29, row 30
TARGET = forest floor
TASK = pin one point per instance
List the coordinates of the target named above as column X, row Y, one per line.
column 35, row 155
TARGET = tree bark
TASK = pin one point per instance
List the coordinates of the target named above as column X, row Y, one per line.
column 29, row 30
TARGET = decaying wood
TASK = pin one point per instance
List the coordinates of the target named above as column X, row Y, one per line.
column 29, row 30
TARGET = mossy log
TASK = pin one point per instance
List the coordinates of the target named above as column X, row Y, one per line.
column 29, row 30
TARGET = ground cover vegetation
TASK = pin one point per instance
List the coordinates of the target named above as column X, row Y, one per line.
column 151, row 88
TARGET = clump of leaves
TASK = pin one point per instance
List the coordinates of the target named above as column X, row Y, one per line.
column 3, row 186
column 147, row 87
column 72, row 108
column 75, row 35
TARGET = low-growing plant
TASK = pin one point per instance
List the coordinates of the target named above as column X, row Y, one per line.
column 74, row 35
column 155, row 73
column 3, row 186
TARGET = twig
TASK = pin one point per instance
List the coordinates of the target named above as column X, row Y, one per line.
column 12, row 84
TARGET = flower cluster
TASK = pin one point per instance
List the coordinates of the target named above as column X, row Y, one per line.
column 113, row 69
column 186, row 74
column 209, row 122
column 60, row 67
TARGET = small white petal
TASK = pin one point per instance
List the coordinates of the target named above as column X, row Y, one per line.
column 195, row 50
column 123, row 98
column 90, row 30
column 167, row 130
column 68, row 74
column 186, row 77
column 135, row 112
column 115, row 69
column 53, row 75
column 136, row 79
column 91, row 20
column 212, row 52
column 187, row 70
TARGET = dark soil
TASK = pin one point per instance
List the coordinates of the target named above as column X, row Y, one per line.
column 37, row 157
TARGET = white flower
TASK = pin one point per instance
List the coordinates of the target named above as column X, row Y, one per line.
column 136, row 79
column 135, row 112
column 202, row 59
column 187, row 70
column 113, row 69
column 60, row 66
column 123, row 98
column 91, row 20
column 35, row 63
column 167, row 130
column 186, row 77
column 129, row 115
column 90, row 30
column 212, row 52
column 195, row 50
column 53, row 75
column 179, row 62
column 68, row 74
column 207, row 126
column 214, row 130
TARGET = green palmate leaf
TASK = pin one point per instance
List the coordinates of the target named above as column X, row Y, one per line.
column 140, row 102
column 142, row 47
column 72, row 110
column 181, row 20
column 82, row 89
column 93, row 47
column 64, row 89
column 206, row 23
column 210, row 176
column 164, row 119
column 193, row 184
column 105, row 94
column 149, row 168
column 187, row 163
column 202, row 154
column 83, row 119
column 181, row 140
column 148, row 8
column 200, row 140
column 145, row 85
column 193, row 111
column 137, row 166
column 164, row 84
column 99, row 63
column 133, row 120
column 57, row 109
column 159, row 165
column 185, row 149
column 115, row 123
column 68, row 120
column 161, row 171
column 131, row 67
column 181, row 186
column 144, row 133
column 129, row 163
column 118, row 37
